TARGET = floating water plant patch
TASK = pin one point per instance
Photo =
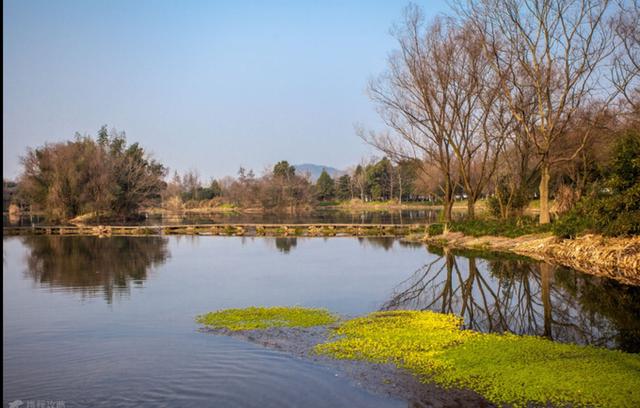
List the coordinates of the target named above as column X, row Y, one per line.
column 505, row 369
column 265, row 317
column 518, row 370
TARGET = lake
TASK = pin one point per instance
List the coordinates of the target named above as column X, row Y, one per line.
column 109, row 322
column 320, row 215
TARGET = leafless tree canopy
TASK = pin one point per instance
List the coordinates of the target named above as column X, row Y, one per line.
column 506, row 93
column 626, row 63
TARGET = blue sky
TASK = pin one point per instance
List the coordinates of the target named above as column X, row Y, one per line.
column 201, row 84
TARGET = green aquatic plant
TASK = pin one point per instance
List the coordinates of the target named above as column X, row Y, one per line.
column 251, row 318
column 518, row 370
column 504, row 368
column 522, row 369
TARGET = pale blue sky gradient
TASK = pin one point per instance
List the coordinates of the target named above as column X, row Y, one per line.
column 202, row 85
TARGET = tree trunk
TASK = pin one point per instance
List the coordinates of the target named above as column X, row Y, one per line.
column 448, row 202
column 546, row 272
column 471, row 207
column 448, row 205
column 544, row 194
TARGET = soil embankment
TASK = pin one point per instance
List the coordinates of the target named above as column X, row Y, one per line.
column 613, row 257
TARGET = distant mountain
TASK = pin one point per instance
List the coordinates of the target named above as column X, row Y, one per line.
column 315, row 170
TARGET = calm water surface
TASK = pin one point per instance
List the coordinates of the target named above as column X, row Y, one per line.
column 110, row 321
column 330, row 216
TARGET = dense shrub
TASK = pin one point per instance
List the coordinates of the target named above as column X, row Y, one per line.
column 511, row 227
column 614, row 206
column 435, row 229
column 611, row 214
column 507, row 203
column 572, row 224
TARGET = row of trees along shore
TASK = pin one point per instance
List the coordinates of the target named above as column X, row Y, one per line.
column 505, row 94
column 283, row 188
column 505, row 99
column 106, row 178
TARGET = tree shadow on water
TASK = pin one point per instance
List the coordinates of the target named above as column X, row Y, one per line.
column 93, row 266
column 522, row 296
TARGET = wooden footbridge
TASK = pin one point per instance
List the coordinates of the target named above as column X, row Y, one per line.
column 278, row 230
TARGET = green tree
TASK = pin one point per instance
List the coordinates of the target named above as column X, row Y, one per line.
column 407, row 175
column 344, row 189
column 215, row 188
column 325, row 187
column 283, row 169
column 625, row 167
column 379, row 177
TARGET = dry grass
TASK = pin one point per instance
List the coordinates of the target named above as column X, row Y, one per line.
column 617, row 258
column 613, row 257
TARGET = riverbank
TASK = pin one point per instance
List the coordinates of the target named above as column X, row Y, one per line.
column 613, row 257
column 347, row 205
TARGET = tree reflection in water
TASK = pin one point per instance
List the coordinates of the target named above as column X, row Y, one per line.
column 518, row 295
column 385, row 243
column 285, row 244
column 93, row 265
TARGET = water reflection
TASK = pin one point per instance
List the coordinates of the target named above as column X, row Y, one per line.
column 492, row 293
column 385, row 243
column 525, row 297
column 316, row 216
column 93, row 265
column 15, row 220
column 285, row 245
column 332, row 216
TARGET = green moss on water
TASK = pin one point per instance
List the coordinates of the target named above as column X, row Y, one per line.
column 519, row 369
column 516, row 370
column 265, row 317
column 511, row 369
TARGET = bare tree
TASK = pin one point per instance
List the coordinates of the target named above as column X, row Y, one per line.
column 414, row 100
column 478, row 131
column 360, row 179
column 554, row 49
column 191, row 183
column 441, row 98
column 626, row 63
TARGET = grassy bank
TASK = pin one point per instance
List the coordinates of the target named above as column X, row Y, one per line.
column 359, row 205
column 505, row 369
column 512, row 227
